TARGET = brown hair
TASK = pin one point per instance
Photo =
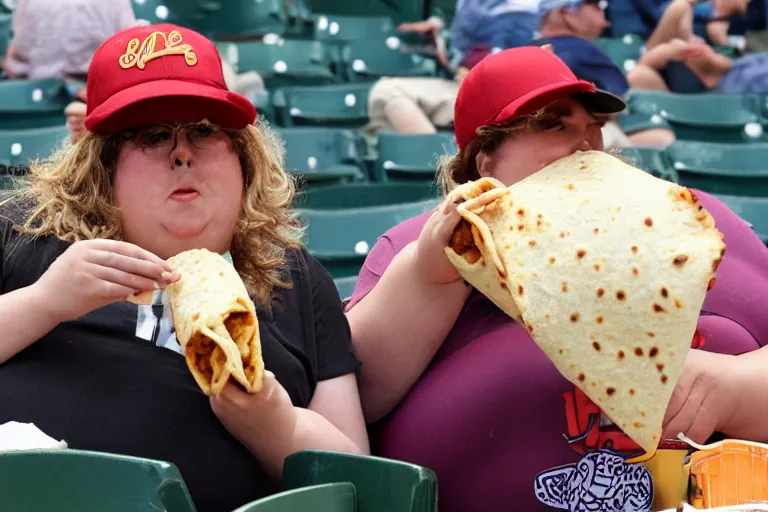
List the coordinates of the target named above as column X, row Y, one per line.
column 462, row 167
column 71, row 197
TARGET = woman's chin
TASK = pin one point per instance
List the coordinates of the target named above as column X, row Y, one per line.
column 185, row 231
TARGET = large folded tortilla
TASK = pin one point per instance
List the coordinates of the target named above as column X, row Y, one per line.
column 215, row 321
column 605, row 265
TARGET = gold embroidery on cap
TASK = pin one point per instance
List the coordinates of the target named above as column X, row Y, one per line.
column 138, row 55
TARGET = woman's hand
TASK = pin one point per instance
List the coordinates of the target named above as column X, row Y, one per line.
column 433, row 265
column 94, row 273
column 258, row 419
column 706, row 396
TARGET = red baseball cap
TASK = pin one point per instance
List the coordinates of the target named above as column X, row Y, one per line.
column 159, row 74
column 517, row 82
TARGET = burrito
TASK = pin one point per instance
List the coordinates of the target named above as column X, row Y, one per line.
column 215, row 322
column 606, row 266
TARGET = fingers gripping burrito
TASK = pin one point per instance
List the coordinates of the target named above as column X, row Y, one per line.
column 606, row 266
column 215, row 322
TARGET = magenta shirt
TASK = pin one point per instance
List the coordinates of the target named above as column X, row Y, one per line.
column 488, row 414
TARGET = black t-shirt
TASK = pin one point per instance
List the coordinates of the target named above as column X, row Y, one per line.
column 97, row 385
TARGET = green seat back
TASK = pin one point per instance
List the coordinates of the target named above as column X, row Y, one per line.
column 343, row 105
column 362, row 195
column 624, row 51
column 287, row 62
column 154, row 11
column 383, row 485
column 730, row 169
column 32, row 104
column 398, row 10
column 322, row 154
column 412, row 156
column 221, row 18
column 345, row 286
column 753, row 210
column 73, row 481
column 335, row 497
column 376, row 57
column 705, row 117
column 5, row 32
column 631, row 122
column 19, row 147
column 333, row 28
column 652, row 160
column 341, row 239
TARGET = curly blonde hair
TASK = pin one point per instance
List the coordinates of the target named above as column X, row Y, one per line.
column 72, row 198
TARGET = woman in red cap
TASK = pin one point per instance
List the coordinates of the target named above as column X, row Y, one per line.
column 171, row 162
column 452, row 383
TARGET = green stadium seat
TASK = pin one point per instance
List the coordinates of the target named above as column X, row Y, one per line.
column 342, row 105
column 335, row 497
column 70, row 480
column 5, row 32
column 154, row 11
column 332, row 28
column 405, row 156
column 753, row 210
column 624, row 51
column 711, row 117
column 361, row 195
column 373, row 58
column 32, row 104
column 652, row 160
column 341, row 239
column 345, row 286
column 631, row 122
column 222, row 18
column 398, row 10
column 730, row 169
column 19, row 147
column 286, row 62
column 382, row 485
column 321, row 155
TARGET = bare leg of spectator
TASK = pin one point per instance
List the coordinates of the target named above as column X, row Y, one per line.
column 409, row 105
column 717, row 31
column 645, row 77
column 406, row 116
column 675, row 23
column 654, row 137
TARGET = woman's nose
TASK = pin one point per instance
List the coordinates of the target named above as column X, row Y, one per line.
column 181, row 154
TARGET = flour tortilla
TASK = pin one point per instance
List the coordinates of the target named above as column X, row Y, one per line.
column 215, row 321
column 606, row 266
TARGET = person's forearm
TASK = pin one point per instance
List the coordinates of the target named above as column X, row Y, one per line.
column 306, row 430
column 660, row 56
column 750, row 420
column 24, row 320
column 397, row 329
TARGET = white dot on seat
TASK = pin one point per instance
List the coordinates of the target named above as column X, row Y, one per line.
column 359, row 65
column 37, row 95
column 312, row 162
column 678, row 165
column 350, row 100
column 753, row 130
column 627, row 39
column 333, row 29
column 322, row 23
column 139, row 2
column 388, row 164
column 361, row 247
column 295, row 111
column 280, row 67
column 16, row 149
column 629, row 65
column 161, row 12
column 393, row 43
column 656, row 119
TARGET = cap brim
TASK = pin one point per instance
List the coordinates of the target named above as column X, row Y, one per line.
column 597, row 101
column 166, row 101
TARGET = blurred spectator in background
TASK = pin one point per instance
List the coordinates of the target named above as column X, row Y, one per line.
column 418, row 105
column 570, row 26
column 57, row 38
column 677, row 60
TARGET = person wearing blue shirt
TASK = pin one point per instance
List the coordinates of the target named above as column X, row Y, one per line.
column 569, row 26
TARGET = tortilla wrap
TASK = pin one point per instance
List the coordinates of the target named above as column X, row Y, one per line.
column 215, row 322
column 606, row 267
